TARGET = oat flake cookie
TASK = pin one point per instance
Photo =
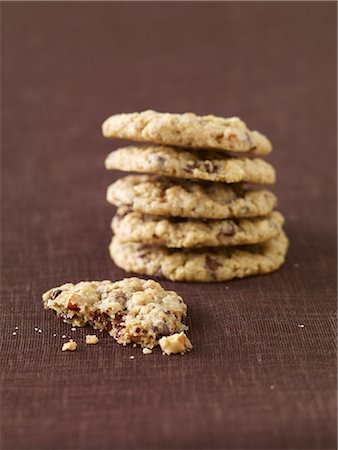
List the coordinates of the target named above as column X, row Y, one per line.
column 219, row 264
column 131, row 310
column 203, row 165
column 187, row 130
column 183, row 198
column 133, row 226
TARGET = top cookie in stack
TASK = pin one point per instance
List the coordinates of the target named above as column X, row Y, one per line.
column 193, row 219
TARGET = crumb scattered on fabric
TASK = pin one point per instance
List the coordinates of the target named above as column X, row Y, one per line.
column 91, row 339
column 14, row 333
column 73, row 329
column 132, row 357
column 301, row 325
column 63, row 336
column 147, row 351
column 71, row 346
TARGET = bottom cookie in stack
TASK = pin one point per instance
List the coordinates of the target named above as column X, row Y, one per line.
column 205, row 264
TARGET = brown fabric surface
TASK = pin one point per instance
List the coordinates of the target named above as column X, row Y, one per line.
column 255, row 379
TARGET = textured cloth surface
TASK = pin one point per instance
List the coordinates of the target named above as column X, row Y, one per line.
column 262, row 372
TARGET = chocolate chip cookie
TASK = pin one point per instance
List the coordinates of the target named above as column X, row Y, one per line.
column 201, row 165
column 221, row 264
column 183, row 198
column 187, row 130
column 131, row 310
column 133, row 226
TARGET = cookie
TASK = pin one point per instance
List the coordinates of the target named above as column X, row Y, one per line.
column 131, row 310
column 133, row 226
column 221, row 264
column 202, row 165
column 187, row 130
column 182, row 198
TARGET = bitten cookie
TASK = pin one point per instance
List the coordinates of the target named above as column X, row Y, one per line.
column 133, row 226
column 131, row 310
column 219, row 264
column 182, row 198
column 187, row 130
column 203, row 165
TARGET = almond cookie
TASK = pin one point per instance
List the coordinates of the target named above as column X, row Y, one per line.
column 131, row 310
column 221, row 264
column 133, row 226
column 187, row 130
column 202, row 165
column 182, row 198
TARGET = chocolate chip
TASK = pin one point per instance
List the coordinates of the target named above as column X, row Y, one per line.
column 72, row 306
column 211, row 263
column 160, row 159
column 54, row 294
column 120, row 297
column 229, row 229
column 118, row 323
column 165, row 329
column 190, row 167
column 209, row 166
column 161, row 330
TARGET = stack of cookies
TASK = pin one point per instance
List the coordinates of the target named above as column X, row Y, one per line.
column 193, row 217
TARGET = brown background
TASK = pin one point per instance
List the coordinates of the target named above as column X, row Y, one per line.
column 255, row 379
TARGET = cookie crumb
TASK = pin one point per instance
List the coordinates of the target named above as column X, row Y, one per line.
column 63, row 336
column 176, row 343
column 147, row 351
column 39, row 330
column 54, row 334
column 16, row 328
column 73, row 329
column 91, row 339
column 132, row 357
column 14, row 333
column 301, row 325
column 36, row 329
column 71, row 346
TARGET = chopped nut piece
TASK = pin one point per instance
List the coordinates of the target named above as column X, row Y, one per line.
column 71, row 345
column 176, row 343
column 147, row 351
column 91, row 339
